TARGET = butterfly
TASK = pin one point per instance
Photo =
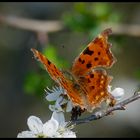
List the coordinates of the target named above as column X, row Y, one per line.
column 86, row 83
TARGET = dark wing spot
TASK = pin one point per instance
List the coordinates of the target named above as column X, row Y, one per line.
column 80, row 60
column 99, row 53
column 89, row 65
column 92, row 87
column 57, row 72
column 88, row 52
column 96, row 58
column 89, row 81
column 83, row 61
column 49, row 62
column 91, row 75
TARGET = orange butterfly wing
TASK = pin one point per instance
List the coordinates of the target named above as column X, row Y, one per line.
column 85, row 90
column 58, row 76
column 94, row 83
column 97, row 54
column 95, row 86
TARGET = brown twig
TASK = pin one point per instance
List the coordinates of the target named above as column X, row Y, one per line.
column 53, row 26
column 100, row 114
column 31, row 24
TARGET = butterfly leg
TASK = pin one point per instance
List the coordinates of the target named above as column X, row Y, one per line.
column 76, row 111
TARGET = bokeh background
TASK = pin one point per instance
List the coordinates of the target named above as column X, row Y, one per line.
column 22, row 79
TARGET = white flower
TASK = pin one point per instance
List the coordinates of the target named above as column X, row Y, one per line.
column 117, row 92
column 60, row 99
column 68, row 134
column 36, row 128
column 26, row 134
column 55, row 127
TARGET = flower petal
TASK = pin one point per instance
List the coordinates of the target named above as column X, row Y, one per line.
column 50, row 128
column 52, row 96
column 52, row 107
column 118, row 93
column 58, row 106
column 59, row 100
column 54, row 93
column 69, row 106
column 26, row 134
column 64, row 101
column 69, row 134
column 35, row 124
column 59, row 117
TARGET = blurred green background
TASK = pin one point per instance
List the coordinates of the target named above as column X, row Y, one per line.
column 23, row 79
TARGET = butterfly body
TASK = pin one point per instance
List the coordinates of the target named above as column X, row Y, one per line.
column 86, row 84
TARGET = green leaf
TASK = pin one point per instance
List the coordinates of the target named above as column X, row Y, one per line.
column 31, row 83
column 101, row 10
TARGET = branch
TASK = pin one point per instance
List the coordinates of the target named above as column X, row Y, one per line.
column 100, row 114
column 31, row 24
column 53, row 26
